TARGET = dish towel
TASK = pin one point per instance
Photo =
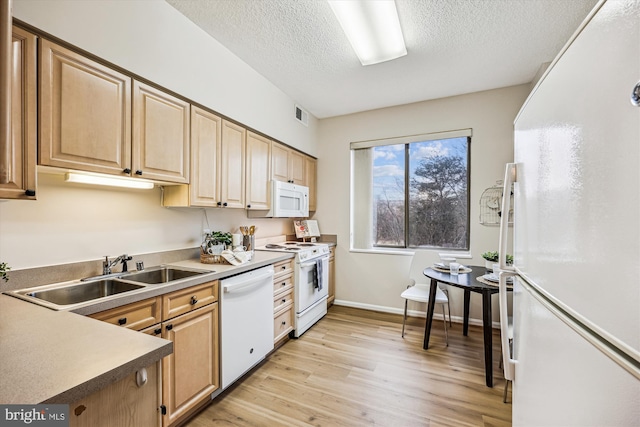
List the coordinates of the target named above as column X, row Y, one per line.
column 235, row 258
column 317, row 279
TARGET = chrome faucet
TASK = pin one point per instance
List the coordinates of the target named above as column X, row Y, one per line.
column 107, row 265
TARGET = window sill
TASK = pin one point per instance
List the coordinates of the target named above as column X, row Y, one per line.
column 410, row 252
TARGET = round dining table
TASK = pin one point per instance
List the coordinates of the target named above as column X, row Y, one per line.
column 469, row 283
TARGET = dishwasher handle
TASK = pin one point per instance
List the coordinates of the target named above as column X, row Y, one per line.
column 246, row 284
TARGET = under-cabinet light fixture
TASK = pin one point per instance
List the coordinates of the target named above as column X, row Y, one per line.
column 111, row 181
column 372, row 27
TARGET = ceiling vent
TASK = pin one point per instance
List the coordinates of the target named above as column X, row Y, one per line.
column 302, row 116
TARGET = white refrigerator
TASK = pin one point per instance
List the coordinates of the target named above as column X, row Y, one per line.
column 576, row 237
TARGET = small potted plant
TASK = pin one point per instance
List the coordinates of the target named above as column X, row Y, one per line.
column 493, row 257
column 4, row 269
column 213, row 244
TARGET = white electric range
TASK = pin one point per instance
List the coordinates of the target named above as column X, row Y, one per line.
column 311, row 281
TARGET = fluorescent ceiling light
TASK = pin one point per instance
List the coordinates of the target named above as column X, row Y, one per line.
column 112, row 181
column 372, row 27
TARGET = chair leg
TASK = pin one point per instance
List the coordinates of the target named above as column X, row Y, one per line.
column 404, row 318
column 444, row 320
column 506, row 388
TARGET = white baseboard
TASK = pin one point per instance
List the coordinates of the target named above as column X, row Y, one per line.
column 412, row 313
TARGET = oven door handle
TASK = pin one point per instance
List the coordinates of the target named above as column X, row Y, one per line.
column 312, row 264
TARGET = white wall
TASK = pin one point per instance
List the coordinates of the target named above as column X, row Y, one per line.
column 154, row 40
column 376, row 280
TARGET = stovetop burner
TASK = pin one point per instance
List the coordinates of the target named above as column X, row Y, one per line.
column 272, row 246
column 306, row 244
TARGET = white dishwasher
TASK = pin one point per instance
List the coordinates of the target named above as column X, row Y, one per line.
column 246, row 322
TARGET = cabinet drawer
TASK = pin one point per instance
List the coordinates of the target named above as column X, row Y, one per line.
column 154, row 330
column 282, row 268
column 282, row 284
column 189, row 299
column 282, row 300
column 282, row 324
column 136, row 316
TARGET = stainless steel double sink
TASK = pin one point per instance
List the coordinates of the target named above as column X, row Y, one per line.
column 68, row 295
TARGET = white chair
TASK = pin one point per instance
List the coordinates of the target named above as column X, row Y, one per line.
column 418, row 290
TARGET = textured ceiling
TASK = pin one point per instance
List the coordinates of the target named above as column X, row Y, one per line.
column 454, row 47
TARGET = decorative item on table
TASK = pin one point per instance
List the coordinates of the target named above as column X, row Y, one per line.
column 492, row 257
column 213, row 244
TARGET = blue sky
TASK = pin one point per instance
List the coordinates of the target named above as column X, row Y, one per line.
column 388, row 163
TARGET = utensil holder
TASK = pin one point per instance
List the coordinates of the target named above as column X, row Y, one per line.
column 249, row 242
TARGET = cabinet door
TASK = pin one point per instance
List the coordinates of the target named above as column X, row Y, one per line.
column 206, row 134
column 311, row 173
column 191, row 373
column 122, row 403
column 296, row 168
column 279, row 162
column 232, row 165
column 160, row 135
column 85, row 113
column 258, row 190
column 332, row 280
column 18, row 173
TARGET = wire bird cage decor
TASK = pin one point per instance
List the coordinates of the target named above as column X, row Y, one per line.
column 491, row 205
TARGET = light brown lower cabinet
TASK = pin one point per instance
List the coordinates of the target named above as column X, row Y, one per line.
column 189, row 318
column 191, row 373
column 332, row 276
column 123, row 403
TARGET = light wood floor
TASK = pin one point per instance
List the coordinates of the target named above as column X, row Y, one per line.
column 353, row 369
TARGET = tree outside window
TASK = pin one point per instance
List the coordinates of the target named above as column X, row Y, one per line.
column 421, row 194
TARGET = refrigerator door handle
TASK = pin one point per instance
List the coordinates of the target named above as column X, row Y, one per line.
column 509, row 179
column 508, row 361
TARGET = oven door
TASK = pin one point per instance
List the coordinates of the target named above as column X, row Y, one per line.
column 312, row 282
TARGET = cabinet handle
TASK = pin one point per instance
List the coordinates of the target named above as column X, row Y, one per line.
column 284, row 267
column 169, row 327
column 248, row 206
column 284, row 300
column 157, row 331
column 138, row 172
column 122, row 321
column 219, row 203
column 127, row 171
column 194, row 300
column 284, row 322
column 30, row 193
column 224, row 204
column 284, row 284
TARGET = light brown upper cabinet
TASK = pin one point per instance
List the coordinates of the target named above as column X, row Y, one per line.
column 18, row 171
column 310, row 168
column 85, row 113
column 86, row 120
column 160, row 135
column 204, row 189
column 258, row 190
column 232, row 153
column 287, row 165
column 217, row 162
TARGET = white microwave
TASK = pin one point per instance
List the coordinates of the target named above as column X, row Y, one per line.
column 288, row 200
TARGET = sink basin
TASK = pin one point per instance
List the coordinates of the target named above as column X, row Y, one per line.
column 86, row 291
column 161, row 275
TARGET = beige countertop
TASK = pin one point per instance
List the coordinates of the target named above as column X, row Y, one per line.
column 49, row 356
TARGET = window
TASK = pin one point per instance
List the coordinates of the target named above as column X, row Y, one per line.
column 411, row 192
